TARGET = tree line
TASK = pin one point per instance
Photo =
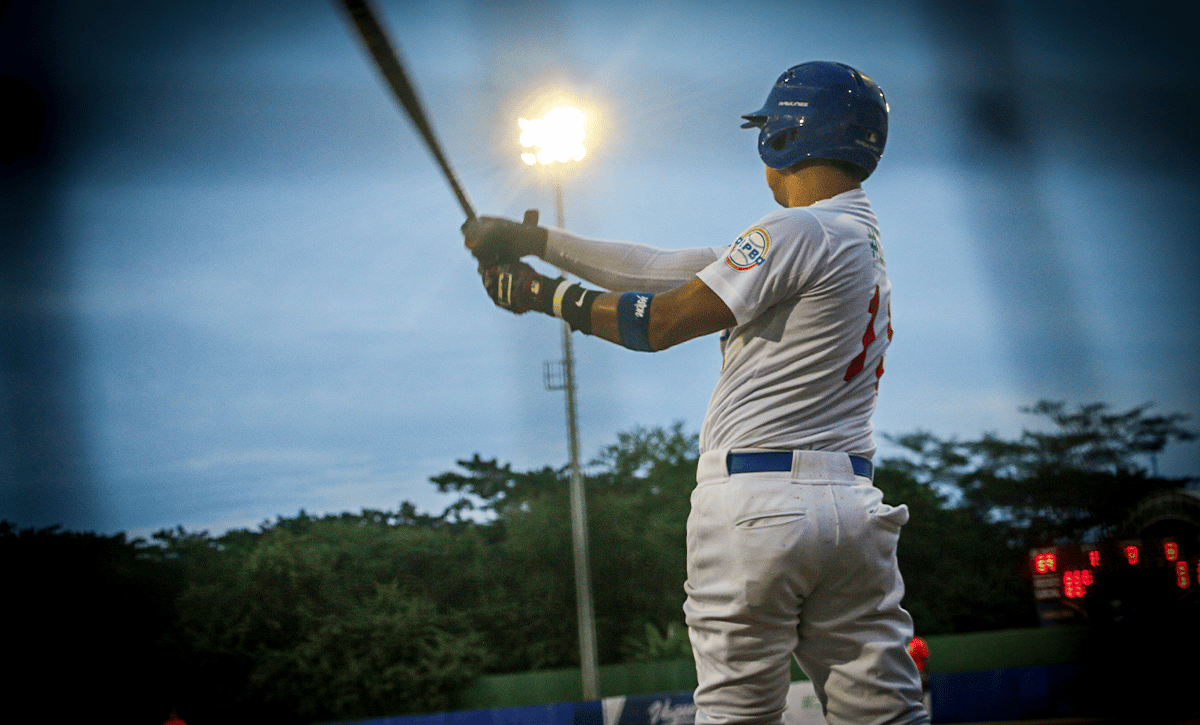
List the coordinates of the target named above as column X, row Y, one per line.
column 320, row 618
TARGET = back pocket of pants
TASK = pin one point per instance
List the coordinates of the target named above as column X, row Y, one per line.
column 767, row 519
column 761, row 503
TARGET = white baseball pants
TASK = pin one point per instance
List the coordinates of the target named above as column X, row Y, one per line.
column 797, row 563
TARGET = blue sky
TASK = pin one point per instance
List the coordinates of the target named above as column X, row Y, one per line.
column 253, row 299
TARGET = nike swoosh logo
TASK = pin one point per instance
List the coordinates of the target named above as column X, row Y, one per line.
column 579, row 302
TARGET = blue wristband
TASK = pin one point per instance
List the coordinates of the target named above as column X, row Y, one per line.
column 633, row 320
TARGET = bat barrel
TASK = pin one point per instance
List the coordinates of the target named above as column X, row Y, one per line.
column 387, row 60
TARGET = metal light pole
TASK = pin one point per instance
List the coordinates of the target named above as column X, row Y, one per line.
column 561, row 144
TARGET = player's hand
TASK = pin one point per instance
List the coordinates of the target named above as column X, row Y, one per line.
column 495, row 240
column 517, row 287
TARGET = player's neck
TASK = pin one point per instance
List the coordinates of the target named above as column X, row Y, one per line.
column 807, row 185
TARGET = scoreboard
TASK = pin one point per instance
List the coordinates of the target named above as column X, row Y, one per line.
column 1113, row 579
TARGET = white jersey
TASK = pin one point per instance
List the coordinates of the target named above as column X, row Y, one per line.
column 809, row 290
column 810, row 294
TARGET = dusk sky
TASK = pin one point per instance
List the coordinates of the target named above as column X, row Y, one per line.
column 234, row 286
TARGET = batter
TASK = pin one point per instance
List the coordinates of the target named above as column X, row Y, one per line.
column 791, row 550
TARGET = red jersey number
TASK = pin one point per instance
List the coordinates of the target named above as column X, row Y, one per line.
column 856, row 365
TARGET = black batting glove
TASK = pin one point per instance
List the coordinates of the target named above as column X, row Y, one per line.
column 495, row 240
column 517, row 287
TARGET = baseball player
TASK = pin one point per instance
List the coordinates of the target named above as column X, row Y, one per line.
column 791, row 551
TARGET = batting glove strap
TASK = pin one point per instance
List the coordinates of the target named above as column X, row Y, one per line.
column 518, row 288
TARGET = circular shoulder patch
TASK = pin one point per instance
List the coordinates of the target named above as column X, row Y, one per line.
column 749, row 250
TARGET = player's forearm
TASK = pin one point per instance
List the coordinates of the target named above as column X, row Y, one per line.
column 686, row 312
column 637, row 320
column 624, row 266
column 660, row 334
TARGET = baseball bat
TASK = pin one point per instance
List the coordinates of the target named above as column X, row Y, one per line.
column 387, row 60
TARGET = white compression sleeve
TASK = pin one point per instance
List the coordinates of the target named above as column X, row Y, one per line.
column 625, row 266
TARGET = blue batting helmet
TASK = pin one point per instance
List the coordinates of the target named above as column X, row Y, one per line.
column 822, row 110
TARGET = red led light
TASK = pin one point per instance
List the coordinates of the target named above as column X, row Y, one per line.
column 1075, row 582
column 1182, row 580
column 1044, row 563
column 1171, row 550
column 1094, row 557
column 1131, row 554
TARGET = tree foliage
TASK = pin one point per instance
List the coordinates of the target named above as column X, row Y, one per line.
column 637, row 501
column 391, row 612
column 979, row 506
column 86, row 622
column 1079, row 478
column 330, row 618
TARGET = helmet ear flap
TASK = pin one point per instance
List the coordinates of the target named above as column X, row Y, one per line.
column 783, row 139
column 781, row 147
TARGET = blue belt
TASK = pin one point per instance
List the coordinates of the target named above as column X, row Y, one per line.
column 760, row 461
